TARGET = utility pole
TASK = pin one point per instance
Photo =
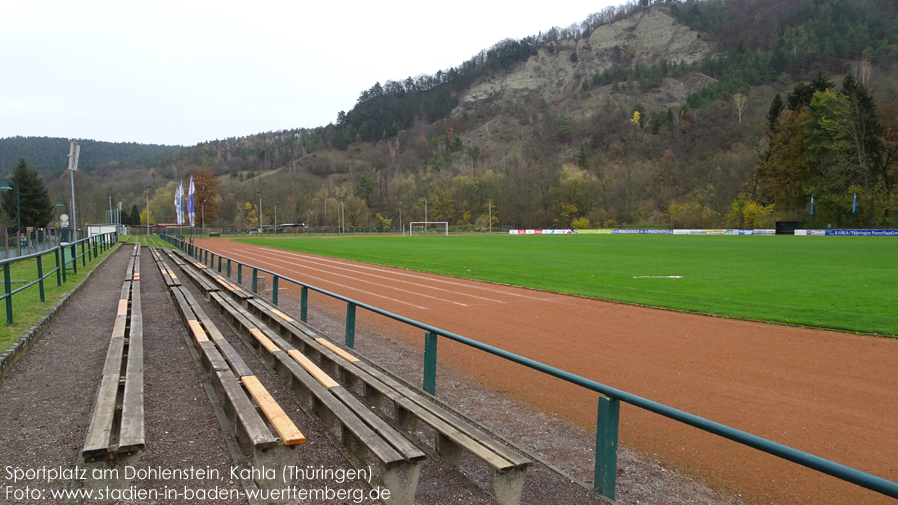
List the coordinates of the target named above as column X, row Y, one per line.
column 148, row 213
column 260, row 211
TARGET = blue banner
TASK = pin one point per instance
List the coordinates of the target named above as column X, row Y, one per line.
column 862, row 233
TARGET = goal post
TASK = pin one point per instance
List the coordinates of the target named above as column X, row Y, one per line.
column 425, row 227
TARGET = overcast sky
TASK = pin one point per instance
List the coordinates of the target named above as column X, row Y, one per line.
column 166, row 72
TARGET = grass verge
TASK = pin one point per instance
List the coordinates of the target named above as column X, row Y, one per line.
column 27, row 306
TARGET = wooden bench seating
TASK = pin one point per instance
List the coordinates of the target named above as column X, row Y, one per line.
column 239, row 390
column 235, row 289
column 192, row 271
column 221, row 282
column 361, row 430
column 453, row 433
column 116, row 430
column 167, row 274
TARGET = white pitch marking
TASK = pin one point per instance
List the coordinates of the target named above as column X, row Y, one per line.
column 356, row 289
column 308, row 260
column 473, row 284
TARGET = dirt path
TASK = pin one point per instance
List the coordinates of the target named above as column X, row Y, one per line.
column 831, row 394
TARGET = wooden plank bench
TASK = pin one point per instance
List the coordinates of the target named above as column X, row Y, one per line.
column 361, row 430
column 221, row 281
column 116, row 431
column 124, row 360
column 192, row 271
column 453, row 433
column 202, row 328
column 169, row 276
column 236, row 290
column 240, row 391
column 188, row 305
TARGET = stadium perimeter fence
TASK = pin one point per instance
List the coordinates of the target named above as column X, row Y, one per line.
column 608, row 414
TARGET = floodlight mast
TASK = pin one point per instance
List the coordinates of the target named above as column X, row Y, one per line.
column 74, row 151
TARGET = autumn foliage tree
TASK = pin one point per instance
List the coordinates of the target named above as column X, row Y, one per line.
column 206, row 198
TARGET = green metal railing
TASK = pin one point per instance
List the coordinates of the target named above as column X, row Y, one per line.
column 608, row 414
column 91, row 247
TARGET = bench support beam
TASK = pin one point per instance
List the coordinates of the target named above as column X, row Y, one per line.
column 507, row 487
column 402, row 481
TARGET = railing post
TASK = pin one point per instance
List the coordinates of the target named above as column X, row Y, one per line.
column 8, row 290
column 75, row 258
column 83, row 255
column 274, row 289
column 239, row 273
column 40, row 277
column 219, row 263
column 607, row 422
column 430, row 363
column 59, row 270
column 350, row 325
column 255, row 280
column 304, row 304
column 229, row 268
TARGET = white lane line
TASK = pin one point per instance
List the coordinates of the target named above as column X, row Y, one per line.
column 274, row 254
column 363, row 291
column 360, row 280
column 393, row 271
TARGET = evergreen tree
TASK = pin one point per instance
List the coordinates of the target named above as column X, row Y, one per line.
column 822, row 83
column 134, row 218
column 776, row 107
column 34, row 201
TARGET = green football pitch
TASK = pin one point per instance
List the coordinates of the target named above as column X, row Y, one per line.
column 846, row 283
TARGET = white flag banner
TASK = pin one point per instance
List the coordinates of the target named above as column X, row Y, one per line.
column 179, row 203
column 190, row 191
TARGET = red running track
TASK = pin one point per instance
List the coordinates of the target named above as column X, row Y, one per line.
column 834, row 395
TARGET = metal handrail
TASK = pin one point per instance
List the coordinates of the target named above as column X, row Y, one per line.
column 93, row 243
column 802, row 458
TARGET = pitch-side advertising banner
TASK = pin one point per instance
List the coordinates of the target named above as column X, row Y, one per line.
column 542, row 232
column 848, row 233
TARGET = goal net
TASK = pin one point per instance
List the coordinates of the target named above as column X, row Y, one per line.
column 428, row 227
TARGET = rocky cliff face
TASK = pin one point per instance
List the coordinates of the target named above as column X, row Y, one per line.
column 646, row 38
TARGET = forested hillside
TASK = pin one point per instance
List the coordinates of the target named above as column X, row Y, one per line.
column 49, row 156
column 685, row 114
